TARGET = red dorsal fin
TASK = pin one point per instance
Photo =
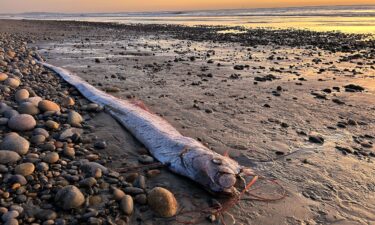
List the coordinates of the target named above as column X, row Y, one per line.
column 140, row 104
column 226, row 154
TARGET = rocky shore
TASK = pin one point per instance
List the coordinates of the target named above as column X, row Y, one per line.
column 295, row 106
column 51, row 167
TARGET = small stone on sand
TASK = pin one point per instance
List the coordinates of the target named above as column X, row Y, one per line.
column 22, row 122
column 46, row 105
column 162, row 202
column 69, row 197
column 16, row 143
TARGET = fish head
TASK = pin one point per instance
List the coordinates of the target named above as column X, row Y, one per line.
column 218, row 173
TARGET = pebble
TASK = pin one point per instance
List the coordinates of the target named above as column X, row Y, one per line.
column 41, row 131
column 28, row 108
column 34, row 100
column 162, row 202
column 21, row 95
column 48, row 147
column 38, row 139
column 3, row 107
column 11, row 222
column 100, row 145
column 95, row 200
column 10, row 113
column 52, row 125
column 3, row 77
column 12, row 82
column 46, row 105
column 24, row 169
column 16, row 143
column 133, row 190
column 3, row 121
column 22, row 122
column 46, row 214
column 42, row 166
column 95, row 221
column 353, row 88
column 153, row 173
column 74, row 119
column 127, row 205
column 17, row 208
column 17, row 179
column 3, row 169
column 9, row 157
column 316, row 138
column 69, row 197
column 92, row 107
column 10, row 215
column 90, row 168
column 118, row 194
column 68, row 101
column 51, row 157
column 88, row 182
column 68, row 133
column 69, row 152
column 145, row 159
column 140, row 182
column 141, row 199
column 60, row 221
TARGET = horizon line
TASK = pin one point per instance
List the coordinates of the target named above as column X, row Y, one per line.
column 192, row 10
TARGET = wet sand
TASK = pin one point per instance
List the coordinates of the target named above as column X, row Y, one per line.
column 267, row 104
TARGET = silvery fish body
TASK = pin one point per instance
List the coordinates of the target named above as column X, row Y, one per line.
column 182, row 155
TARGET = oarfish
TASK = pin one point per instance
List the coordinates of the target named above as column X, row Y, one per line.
column 182, row 155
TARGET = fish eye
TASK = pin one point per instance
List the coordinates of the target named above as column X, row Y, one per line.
column 217, row 161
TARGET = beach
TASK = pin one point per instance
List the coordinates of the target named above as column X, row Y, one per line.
column 295, row 106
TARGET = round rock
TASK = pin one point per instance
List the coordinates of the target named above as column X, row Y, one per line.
column 162, row 202
column 38, row 139
column 35, row 100
column 127, row 205
column 52, row 125
column 68, row 101
column 15, row 143
column 69, row 197
column 88, row 182
column 21, row 95
column 12, row 82
column 10, row 215
column 25, row 169
column 10, row 113
column 74, row 119
column 41, row 131
column 46, row 105
column 3, row 77
column 118, row 194
column 8, row 157
column 51, row 157
column 22, row 122
column 11, row 222
column 42, row 166
column 28, row 108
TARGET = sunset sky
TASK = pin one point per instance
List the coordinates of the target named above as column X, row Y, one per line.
column 14, row 6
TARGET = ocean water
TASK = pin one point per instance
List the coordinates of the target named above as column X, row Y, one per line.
column 350, row 19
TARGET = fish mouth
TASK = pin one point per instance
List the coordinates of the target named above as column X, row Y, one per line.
column 227, row 180
column 233, row 183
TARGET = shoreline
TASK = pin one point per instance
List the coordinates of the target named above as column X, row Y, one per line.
column 327, row 40
column 222, row 93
